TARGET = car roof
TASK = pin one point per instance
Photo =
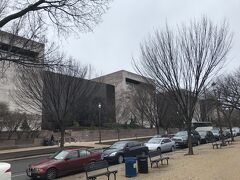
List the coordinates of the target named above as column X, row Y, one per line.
column 127, row 141
column 161, row 138
column 74, row 149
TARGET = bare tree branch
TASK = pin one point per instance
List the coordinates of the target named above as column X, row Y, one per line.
column 183, row 63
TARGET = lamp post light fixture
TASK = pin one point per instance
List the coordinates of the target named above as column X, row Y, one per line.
column 99, row 122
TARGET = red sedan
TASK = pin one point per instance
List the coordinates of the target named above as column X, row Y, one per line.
column 62, row 163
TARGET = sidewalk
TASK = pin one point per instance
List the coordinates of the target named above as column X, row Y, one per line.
column 207, row 163
column 39, row 150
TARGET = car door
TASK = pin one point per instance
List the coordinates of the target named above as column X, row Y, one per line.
column 84, row 158
column 132, row 149
column 72, row 160
column 137, row 148
column 168, row 144
column 129, row 149
column 164, row 145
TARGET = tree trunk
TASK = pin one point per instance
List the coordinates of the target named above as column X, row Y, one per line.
column 230, row 127
column 157, row 129
column 190, row 146
column 118, row 133
column 10, row 133
column 62, row 138
column 220, row 125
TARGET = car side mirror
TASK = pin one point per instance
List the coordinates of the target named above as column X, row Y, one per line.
column 162, row 142
column 66, row 159
column 126, row 148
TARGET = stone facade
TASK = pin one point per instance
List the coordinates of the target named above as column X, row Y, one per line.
column 15, row 48
column 125, row 83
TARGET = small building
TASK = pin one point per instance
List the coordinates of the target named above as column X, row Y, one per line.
column 93, row 103
column 125, row 83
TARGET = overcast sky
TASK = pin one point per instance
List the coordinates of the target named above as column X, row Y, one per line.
column 115, row 41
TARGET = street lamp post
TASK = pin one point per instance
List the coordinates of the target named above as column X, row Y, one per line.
column 99, row 122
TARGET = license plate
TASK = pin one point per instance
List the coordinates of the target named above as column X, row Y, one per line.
column 29, row 173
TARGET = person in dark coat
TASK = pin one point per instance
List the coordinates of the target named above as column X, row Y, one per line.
column 52, row 139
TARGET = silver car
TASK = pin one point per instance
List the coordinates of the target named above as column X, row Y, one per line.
column 162, row 144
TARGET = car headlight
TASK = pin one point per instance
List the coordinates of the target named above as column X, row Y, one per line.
column 113, row 154
column 39, row 170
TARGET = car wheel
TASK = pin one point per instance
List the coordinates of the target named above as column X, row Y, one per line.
column 120, row 159
column 172, row 149
column 159, row 149
column 51, row 174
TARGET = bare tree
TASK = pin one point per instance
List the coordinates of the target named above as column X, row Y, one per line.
column 4, row 111
column 56, row 93
column 13, row 122
column 183, row 63
column 149, row 107
column 33, row 19
column 229, row 96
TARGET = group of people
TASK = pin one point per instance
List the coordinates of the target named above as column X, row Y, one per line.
column 50, row 141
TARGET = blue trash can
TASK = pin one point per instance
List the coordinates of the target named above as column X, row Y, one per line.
column 130, row 166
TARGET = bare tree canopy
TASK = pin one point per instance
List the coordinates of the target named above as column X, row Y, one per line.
column 30, row 21
column 54, row 93
column 183, row 62
column 228, row 89
column 63, row 14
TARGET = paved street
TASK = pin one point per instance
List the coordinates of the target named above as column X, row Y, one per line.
column 19, row 167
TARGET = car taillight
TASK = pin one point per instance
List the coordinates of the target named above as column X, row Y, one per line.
column 9, row 170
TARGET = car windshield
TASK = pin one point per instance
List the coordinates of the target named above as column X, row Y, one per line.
column 202, row 133
column 154, row 141
column 181, row 133
column 60, row 155
column 215, row 131
column 118, row 145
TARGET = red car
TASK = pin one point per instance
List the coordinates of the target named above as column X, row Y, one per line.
column 62, row 163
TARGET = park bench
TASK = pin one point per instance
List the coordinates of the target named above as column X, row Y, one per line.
column 216, row 144
column 97, row 169
column 156, row 156
column 228, row 141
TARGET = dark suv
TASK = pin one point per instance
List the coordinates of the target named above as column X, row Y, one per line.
column 181, row 138
column 121, row 149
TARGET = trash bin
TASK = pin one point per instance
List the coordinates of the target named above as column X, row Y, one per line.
column 142, row 164
column 130, row 166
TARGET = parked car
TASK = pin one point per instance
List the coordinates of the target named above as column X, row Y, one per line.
column 234, row 131
column 5, row 171
column 237, row 130
column 181, row 138
column 216, row 133
column 206, row 136
column 62, row 162
column 226, row 133
column 121, row 149
column 162, row 144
